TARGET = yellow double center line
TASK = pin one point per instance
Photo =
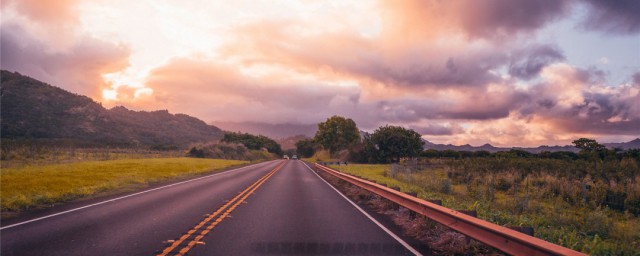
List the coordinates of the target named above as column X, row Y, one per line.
column 208, row 224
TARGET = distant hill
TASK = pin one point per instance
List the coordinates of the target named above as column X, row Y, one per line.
column 290, row 142
column 35, row 110
column 276, row 131
column 625, row 145
column 488, row 147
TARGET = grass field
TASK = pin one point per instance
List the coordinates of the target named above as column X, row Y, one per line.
column 41, row 186
column 591, row 229
column 320, row 156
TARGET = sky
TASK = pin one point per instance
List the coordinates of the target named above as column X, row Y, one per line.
column 504, row 72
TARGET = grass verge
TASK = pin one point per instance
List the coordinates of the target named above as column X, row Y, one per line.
column 437, row 238
column 42, row 186
column 598, row 231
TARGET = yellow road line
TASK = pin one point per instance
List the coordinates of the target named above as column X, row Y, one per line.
column 237, row 200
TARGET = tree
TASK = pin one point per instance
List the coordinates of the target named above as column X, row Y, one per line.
column 194, row 152
column 431, row 153
column 588, row 145
column 253, row 142
column 482, row 153
column 366, row 152
column 590, row 149
column 306, row 147
column 337, row 133
column 395, row 142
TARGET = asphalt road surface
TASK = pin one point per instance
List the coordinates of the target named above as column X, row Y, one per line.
column 274, row 208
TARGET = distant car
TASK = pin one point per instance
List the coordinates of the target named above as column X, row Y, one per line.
column 294, row 157
column 285, row 157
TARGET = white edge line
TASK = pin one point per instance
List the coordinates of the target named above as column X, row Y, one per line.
column 402, row 242
column 123, row 197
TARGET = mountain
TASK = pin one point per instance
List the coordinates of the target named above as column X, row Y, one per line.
column 488, row 147
column 269, row 130
column 290, row 142
column 31, row 109
column 625, row 145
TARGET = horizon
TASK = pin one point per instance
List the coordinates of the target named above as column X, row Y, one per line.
column 505, row 73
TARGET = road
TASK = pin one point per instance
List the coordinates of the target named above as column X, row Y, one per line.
column 273, row 208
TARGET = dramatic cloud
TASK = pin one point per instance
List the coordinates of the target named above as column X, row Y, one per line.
column 497, row 71
column 55, row 22
column 528, row 63
column 78, row 69
column 439, row 129
column 614, row 17
column 423, row 64
column 504, row 17
column 219, row 92
column 571, row 101
column 47, row 12
column 486, row 19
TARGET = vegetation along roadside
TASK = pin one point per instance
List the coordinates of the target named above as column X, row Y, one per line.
column 32, row 187
column 511, row 195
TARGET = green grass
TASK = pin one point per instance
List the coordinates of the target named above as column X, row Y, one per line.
column 39, row 186
column 595, row 231
column 320, row 156
column 378, row 172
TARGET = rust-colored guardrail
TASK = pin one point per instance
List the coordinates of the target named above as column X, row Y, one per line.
column 496, row 236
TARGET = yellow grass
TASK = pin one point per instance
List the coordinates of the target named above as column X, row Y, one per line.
column 38, row 186
column 320, row 156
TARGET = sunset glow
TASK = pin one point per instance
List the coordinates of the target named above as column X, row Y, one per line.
column 509, row 73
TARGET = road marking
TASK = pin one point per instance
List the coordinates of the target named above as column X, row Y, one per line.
column 229, row 206
column 402, row 242
column 123, row 197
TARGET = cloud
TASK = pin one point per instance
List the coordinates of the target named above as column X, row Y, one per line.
column 439, row 129
column 416, row 65
column 217, row 91
column 573, row 101
column 568, row 103
column 499, row 18
column 613, row 17
column 56, row 22
column 527, row 63
column 494, row 19
column 78, row 70
column 46, row 12
column 457, row 71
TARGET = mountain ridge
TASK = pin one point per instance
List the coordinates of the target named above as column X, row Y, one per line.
column 488, row 147
column 31, row 109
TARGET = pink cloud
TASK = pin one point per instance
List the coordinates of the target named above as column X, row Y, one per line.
column 215, row 91
column 78, row 69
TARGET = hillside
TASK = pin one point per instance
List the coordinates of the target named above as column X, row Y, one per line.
column 277, row 131
column 290, row 142
column 31, row 109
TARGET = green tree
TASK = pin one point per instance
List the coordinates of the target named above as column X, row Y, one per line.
column 306, row 147
column 366, row 152
column 394, row 142
column 253, row 142
column 590, row 150
column 588, row 145
column 337, row 133
column 431, row 153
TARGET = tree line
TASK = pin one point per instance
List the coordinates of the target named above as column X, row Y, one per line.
column 386, row 144
column 254, row 142
column 389, row 144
